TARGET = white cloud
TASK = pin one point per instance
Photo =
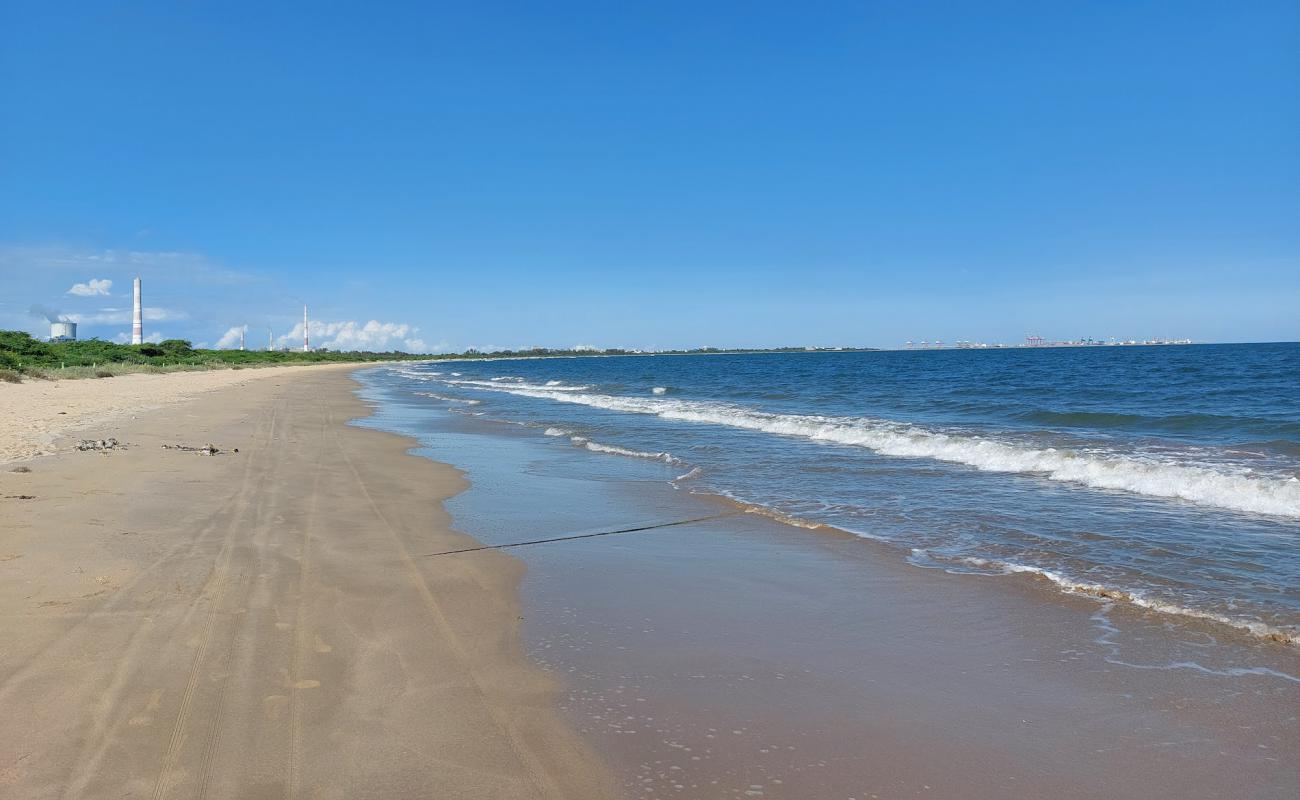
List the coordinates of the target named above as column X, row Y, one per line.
column 230, row 339
column 374, row 336
column 92, row 287
column 171, row 266
column 122, row 316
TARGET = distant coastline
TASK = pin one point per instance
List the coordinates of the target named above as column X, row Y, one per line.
column 1032, row 342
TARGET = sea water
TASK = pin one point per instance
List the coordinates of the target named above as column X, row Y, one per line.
column 1165, row 477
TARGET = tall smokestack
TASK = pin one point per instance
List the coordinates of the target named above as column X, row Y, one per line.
column 137, row 317
column 270, row 340
column 306, row 341
column 241, row 336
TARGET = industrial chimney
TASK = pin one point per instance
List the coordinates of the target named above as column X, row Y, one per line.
column 137, row 317
column 306, row 342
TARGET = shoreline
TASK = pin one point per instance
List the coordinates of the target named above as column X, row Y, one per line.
column 1256, row 632
column 742, row 655
column 258, row 623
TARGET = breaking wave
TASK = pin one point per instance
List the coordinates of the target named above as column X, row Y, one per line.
column 1096, row 469
column 449, row 399
column 515, row 385
column 597, row 447
column 694, row 473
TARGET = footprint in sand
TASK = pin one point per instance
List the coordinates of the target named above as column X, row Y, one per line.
column 145, row 720
column 273, row 705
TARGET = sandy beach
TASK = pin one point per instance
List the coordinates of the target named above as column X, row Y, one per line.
column 35, row 414
column 273, row 622
column 259, row 623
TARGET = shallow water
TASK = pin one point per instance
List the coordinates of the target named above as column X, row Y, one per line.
column 742, row 657
column 1168, row 477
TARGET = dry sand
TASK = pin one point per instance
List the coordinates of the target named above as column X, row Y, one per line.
column 35, row 414
column 258, row 624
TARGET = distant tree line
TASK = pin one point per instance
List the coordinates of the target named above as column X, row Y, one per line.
column 21, row 352
column 542, row 352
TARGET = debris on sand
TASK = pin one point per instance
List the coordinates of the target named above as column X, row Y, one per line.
column 208, row 449
column 21, row 469
column 100, row 445
column 20, row 497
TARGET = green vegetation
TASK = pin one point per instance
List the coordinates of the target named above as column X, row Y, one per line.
column 544, row 352
column 20, row 354
column 24, row 356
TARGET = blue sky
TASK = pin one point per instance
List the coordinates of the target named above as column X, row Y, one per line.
column 655, row 175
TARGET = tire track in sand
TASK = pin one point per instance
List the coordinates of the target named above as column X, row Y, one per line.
column 100, row 739
column 533, row 770
column 165, row 780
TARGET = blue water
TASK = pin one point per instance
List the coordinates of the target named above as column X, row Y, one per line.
column 1164, row 476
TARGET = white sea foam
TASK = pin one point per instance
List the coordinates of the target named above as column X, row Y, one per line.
column 597, row 447
column 1137, row 598
column 1154, row 478
column 517, row 385
column 694, row 473
column 660, row 390
column 1109, row 632
column 449, row 399
column 407, row 372
column 557, row 432
column 779, row 516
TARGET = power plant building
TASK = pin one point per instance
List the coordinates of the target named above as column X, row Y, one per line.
column 62, row 331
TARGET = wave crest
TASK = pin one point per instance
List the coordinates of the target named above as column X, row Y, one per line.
column 612, row 449
column 1113, row 471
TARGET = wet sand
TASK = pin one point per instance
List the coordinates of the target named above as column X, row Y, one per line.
column 261, row 624
column 745, row 658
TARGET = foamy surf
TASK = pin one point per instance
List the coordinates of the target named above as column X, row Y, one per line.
column 615, row 450
column 449, row 399
column 1099, row 470
column 694, row 473
column 1142, row 599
